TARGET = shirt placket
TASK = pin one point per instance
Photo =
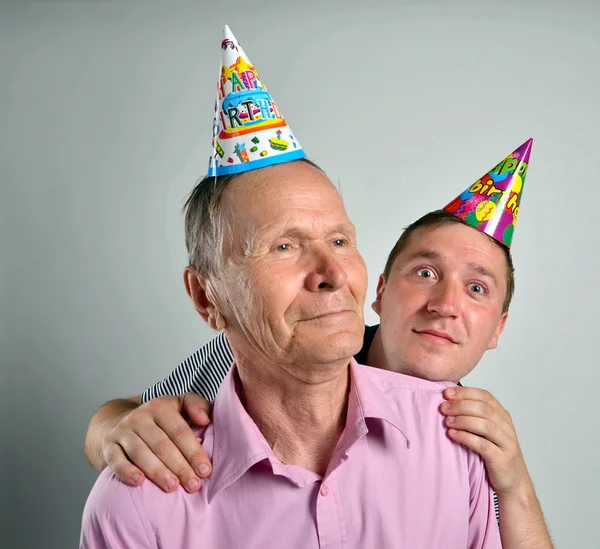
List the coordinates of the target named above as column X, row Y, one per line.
column 331, row 527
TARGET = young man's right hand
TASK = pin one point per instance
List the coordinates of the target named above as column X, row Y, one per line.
column 155, row 440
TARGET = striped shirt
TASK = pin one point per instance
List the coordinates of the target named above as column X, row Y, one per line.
column 204, row 371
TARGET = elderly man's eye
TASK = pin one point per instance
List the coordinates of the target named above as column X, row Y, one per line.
column 339, row 242
column 283, row 247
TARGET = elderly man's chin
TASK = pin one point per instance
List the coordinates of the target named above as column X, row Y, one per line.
column 329, row 339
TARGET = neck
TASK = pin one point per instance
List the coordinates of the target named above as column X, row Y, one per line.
column 302, row 421
column 376, row 355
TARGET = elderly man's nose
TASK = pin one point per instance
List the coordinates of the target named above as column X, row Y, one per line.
column 327, row 275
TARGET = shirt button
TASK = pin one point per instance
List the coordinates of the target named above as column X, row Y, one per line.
column 324, row 490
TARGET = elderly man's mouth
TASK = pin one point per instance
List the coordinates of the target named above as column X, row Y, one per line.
column 333, row 315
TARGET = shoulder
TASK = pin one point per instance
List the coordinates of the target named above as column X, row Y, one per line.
column 108, row 494
column 136, row 514
column 400, row 382
column 111, row 514
column 110, row 498
column 413, row 405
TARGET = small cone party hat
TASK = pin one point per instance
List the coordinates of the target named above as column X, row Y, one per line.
column 492, row 203
column 249, row 131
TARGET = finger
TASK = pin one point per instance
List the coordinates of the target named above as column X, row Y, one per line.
column 165, row 459
column 197, row 408
column 473, row 393
column 478, row 408
column 117, row 462
column 475, row 408
column 478, row 444
column 482, row 427
column 138, row 451
column 188, row 447
column 470, row 393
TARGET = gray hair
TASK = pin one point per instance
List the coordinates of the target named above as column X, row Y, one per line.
column 205, row 226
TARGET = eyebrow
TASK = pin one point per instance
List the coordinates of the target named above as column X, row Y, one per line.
column 431, row 254
column 483, row 272
column 295, row 231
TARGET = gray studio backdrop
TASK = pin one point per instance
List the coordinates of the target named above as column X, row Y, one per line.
column 105, row 124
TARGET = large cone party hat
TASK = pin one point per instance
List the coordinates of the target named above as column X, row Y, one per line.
column 249, row 131
column 492, row 203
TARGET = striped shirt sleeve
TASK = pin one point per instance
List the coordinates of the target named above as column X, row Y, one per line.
column 201, row 373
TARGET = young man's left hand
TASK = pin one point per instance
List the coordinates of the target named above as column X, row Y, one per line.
column 477, row 420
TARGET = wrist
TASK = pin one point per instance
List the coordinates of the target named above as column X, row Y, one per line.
column 523, row 495
column 106, row 418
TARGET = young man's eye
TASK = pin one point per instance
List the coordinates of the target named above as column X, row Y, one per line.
column 425, row 273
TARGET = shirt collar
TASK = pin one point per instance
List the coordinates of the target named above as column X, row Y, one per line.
column 367, row 401
column 238, row 444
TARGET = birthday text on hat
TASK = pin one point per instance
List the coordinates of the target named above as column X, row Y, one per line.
column 244, row 98
column 486, row 186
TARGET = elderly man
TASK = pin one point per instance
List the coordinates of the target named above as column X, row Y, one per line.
column 309, row 449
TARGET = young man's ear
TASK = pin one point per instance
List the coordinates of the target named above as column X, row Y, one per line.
column 376, row 305
column 202, row 295
column 499, row 329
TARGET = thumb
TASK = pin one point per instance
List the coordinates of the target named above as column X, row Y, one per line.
column 197, row 408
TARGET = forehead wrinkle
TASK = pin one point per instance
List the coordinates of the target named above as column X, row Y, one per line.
column 304, row 199
column 424, row 254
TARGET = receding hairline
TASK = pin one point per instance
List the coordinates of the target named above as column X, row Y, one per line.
column 262, row 176
column 295, row 164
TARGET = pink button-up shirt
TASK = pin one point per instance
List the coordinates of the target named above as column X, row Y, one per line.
column 395, row 480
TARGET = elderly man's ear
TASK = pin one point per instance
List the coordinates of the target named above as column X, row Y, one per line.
column 202, row 294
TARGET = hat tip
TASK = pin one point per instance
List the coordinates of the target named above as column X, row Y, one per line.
column 526, row 147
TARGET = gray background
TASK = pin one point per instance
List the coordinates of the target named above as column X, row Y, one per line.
column 105, row 123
